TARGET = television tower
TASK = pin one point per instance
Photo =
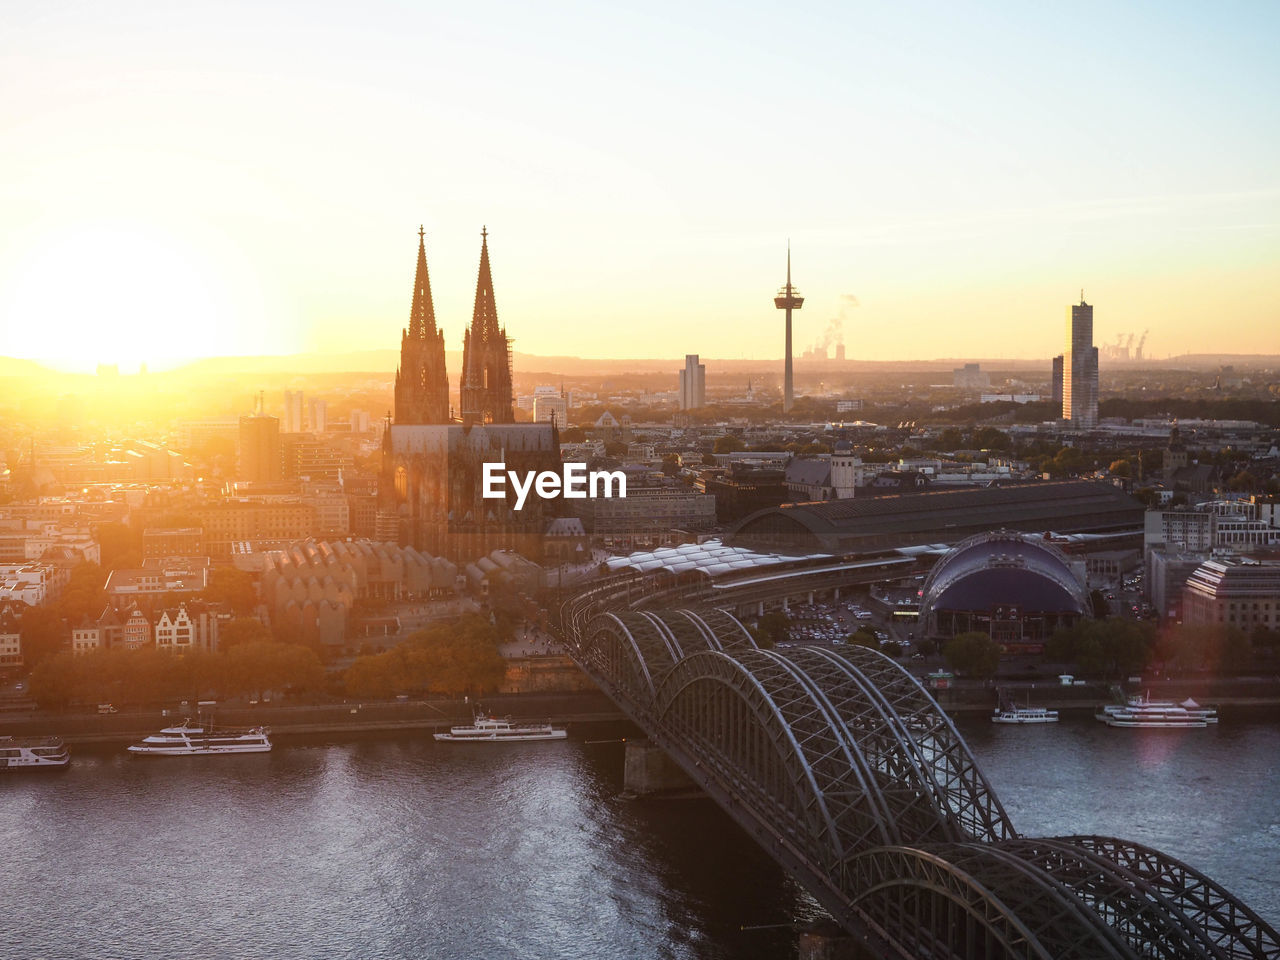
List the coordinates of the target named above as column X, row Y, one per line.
column 788, row 299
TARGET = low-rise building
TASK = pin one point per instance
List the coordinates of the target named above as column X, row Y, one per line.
column 135, row 632
column 29, row 583
column 235, row 521
column 157, row 576
column 172, row 542
column 10, row 637
column 189, row 627
column 1240, row 592
column 648, row 514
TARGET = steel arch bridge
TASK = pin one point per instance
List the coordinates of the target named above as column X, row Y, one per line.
column 846, row 771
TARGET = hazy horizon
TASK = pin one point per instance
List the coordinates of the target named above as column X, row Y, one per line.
column 248, row 179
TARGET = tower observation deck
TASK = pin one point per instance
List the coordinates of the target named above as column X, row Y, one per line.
column 788, row 299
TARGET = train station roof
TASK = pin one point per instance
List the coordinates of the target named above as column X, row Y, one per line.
column 712, row 558
column 863, row 524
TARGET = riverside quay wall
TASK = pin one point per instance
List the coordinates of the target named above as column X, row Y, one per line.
column 564, row 709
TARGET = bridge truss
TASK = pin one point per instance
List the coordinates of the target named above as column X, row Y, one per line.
column 846, row 771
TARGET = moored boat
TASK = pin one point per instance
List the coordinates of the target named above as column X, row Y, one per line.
column 33, row 753
column 188, row 739
column 500, row 730
column 1011, row 714
column 1142, row 711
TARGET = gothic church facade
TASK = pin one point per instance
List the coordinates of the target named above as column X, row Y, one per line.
column 432, row 462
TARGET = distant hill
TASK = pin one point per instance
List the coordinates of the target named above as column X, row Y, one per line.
column 13, row 367
column 385, row 361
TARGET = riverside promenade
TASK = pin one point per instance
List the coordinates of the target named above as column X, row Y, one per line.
column 284, row 720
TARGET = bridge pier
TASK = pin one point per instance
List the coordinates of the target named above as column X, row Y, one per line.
column 825, row 940
column 647, row 771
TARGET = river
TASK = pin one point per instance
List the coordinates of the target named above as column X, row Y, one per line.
column 399, row 847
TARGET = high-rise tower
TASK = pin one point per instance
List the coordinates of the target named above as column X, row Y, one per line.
column 693, row 383
column 486, row 355
column 422, row 386
column 788, row 299
column 1080, row 368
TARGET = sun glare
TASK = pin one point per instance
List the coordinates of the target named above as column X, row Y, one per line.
column 116, row 294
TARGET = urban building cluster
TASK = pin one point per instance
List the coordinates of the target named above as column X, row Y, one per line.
column 1013, row 493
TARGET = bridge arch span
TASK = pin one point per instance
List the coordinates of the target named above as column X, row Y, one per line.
column 772, row 754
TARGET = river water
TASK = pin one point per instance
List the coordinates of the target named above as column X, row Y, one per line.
column 399, row 847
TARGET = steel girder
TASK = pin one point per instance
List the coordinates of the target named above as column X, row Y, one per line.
column 762, row 736
column 611, row 646
column 1136, row 909
column 974, row 803
column 937, row 908
column 1055, row 916
column 941, row 792
column 865, row 786
column 1226, row 921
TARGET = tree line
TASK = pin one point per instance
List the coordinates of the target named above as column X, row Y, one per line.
column 146, row 675
column 456, row 658
column 1115, row 648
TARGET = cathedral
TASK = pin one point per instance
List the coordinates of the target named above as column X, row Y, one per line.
column 432, row 462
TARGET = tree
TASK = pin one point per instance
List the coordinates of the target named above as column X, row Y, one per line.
column 1148, row 496
column 1185, row 648
column 949, row 439
column 865, row 637
column 1243, row 481
column 454, row 658
column 989, row 438
column 242, row 630
column 1101, row 610
column 728, row 444
column 974, row 654
column 234, row 588
column 120, row 546
column 1121, row 468
column 1112, row 648
column 670, row 465
column 774, row 627
column 83, row 596
column 42, row 631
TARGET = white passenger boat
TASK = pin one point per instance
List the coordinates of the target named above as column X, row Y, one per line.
column 1010, row 714
column 33, row 753
column 500, row 730
column 1142, row 711
column 188, row 739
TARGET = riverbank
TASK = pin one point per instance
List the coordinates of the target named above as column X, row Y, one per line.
column 284, row 721
column 1242, row 699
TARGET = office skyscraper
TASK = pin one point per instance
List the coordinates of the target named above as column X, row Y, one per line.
column 693, row 383
column 1080, row 368
column 292, row 411
column 260, row 456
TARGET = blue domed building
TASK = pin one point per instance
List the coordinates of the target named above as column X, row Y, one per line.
column 1016, row 587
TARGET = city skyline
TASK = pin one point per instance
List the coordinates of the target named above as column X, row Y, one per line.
column 181, row 184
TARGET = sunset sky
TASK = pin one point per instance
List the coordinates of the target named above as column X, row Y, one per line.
column 190, row 179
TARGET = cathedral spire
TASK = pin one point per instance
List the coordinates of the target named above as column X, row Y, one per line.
column 422, row 387
column 422, row 315
column 484, row 320
column 486, row 355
